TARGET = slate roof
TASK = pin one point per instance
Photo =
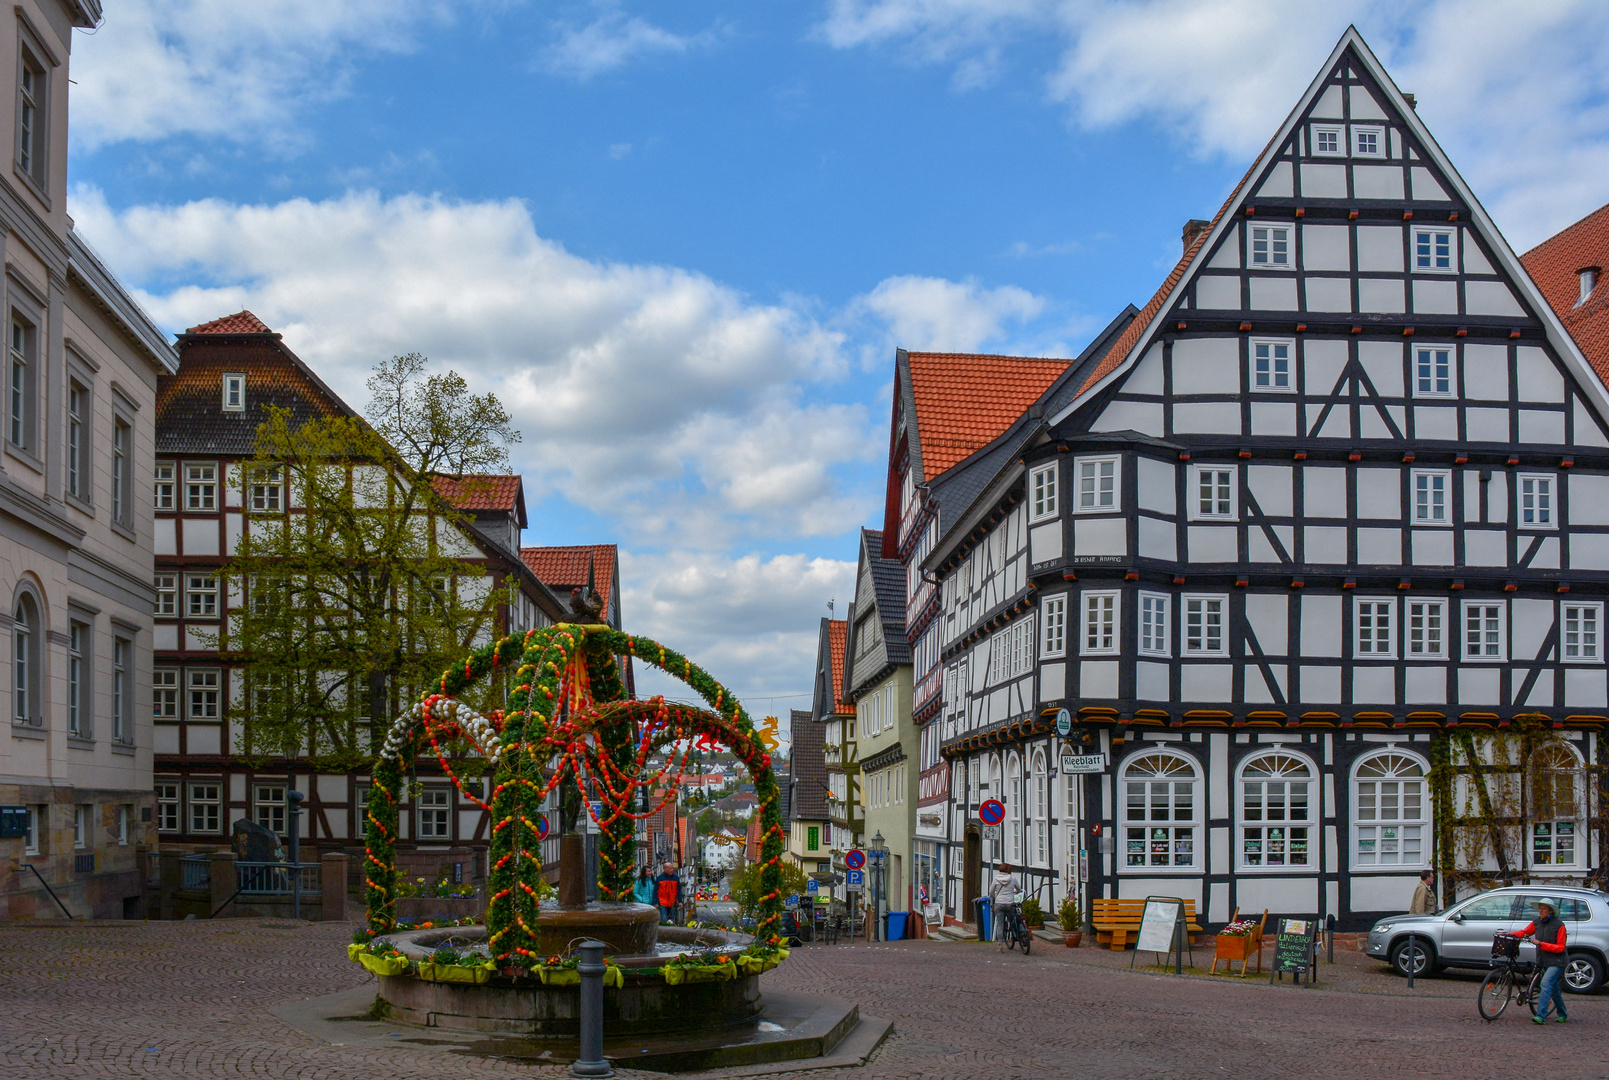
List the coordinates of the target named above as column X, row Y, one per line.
column 964, row 400
column 241, row 322
column 809, row 767
column 888, row 581
column 1555, row 265
column 564, row 568
column 837, row 634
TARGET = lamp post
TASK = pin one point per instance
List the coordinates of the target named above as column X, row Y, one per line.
column 876, row 844
column 294, row 798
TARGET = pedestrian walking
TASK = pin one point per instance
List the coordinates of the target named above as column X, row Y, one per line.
column 1550, row 934
column 667, row 893
column 643, row 890
column 1424, row 896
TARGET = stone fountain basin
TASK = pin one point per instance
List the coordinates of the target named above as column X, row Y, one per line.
column 417, row 945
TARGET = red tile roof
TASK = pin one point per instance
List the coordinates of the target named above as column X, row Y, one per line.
column 964, row 401
column 837, row 635
column 1555, row 265
column 561, row 568
column 241, row 322
column 480, row 491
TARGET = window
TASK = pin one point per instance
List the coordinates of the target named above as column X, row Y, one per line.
column 1433, row 251
column 234, row 392
column 1042, row 482
column 27, row 672
column 1433, row 374
column 1388, row 793
column 1097, row 485
column 1483, row 631
column 1536, row 501
column 167, row 594
column 1053, row 642
column 122, row 825
column 32, row 126
column 81, row 826
column 201, row 487
column 1430, row 490
column 1154, row 625
column 37, row 821
column 1582, row 627
column 122, row 473
column 1557, row 800
column 1271, row 247
column 1271, row 366
column 122, row 692
column 1427, row 630
column 164, row 485
column 1204, row 618
column 1214, row 493
column 77, row 401
column 77, row 643
column 205, row 808
column 20, row 396
column 1013, row 801
column 1274, row 811
column 1159, row 811
column 201, row 593
column 267, row 488
column 165, row 694
column 1100, row 623
column 1376, row 632
column 268, row 807
column 1368, row 141
column 1327, row 142
column 1588, row 277
column 167, row 807
column 434, row 813
column 1039, row 811
column 203, row 693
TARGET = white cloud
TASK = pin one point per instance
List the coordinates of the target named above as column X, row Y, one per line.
column 158, row 68
column 611, row 41
column 949, row 316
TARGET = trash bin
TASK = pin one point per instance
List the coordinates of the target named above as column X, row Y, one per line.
column 984, row 906
column 896, row 925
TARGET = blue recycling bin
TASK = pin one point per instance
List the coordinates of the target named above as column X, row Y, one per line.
column 896, row 925
column 985, row 908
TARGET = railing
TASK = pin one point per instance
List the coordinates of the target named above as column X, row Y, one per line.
column 194, row 873
column 277, row 879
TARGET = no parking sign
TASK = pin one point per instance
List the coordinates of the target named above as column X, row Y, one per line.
column 992, row 812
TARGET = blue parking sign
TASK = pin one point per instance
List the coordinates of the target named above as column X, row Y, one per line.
column 812, row 885
column 855, row 877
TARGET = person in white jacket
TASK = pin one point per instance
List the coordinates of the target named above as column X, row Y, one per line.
column 1002, row 894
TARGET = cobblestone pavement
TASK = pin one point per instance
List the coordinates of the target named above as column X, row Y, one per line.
column 191, row 1000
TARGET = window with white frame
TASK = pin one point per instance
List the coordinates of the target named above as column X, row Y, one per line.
column 1368, row 141
column 167, row 807
column 1427, row 630
column 1214, row 493
column 267, row 490
column 1558, row 800
column 165, row 694
column 1159, row 811
column 1014, row 808
column 1100, row 623
column 27, row 668
column 123, row 813
column 1536, row 501
column 77, row 417
column 1274, row 811
column 1097, row 485
column 1273, row 366
column 33, row 112
column 122, row 474
column 1435, row 372
column 37, row 824
column 206, row 808
column 162, row 494
column 1581, row 637
column 122, row 691
column 1205, row 625
column 200, row 487
column 234, row 392
column 1042, row 485
column 1327, row 141
column 1053, row 618
column 201, row 595
column 1485, row 630
column 268, row 807
column 1039, row 811
column 1270, row 247
column 1431, row 496
column 1433, row 251
column 22, row 392
column 1154, row 624
column 1389, row 811
column 167, row 594
column 204, row 691
column 1375, row 628
column 81, row 837
column 77, row 672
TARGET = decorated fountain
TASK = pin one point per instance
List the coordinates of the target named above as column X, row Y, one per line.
column 568, row 728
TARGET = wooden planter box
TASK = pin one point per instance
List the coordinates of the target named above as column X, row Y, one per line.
column 1231, row 947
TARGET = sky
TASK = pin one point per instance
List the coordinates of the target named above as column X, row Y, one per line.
column 681, row 241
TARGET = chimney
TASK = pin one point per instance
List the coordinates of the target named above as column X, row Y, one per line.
column 1413, row 102
column 1192, row 229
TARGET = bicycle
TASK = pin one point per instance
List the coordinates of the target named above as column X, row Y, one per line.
column 1512, row 974
column 1015, row 931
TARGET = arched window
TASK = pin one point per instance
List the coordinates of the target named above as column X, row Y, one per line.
column 1275, row 811
column 1013, row 801
column 1390, row 811
column 1559, row 794
column 1039, row 811
column 1160, row 811
column 994, row 779
column 27, row 669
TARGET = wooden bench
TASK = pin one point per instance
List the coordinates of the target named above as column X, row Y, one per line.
column 1116, row 922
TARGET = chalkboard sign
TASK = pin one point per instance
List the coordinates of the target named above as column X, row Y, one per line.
column 1293, row 946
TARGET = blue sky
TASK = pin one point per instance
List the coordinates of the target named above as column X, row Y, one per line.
column 682, row 240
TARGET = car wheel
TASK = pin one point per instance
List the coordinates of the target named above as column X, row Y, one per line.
column 1425, row 959
column 1582, row 973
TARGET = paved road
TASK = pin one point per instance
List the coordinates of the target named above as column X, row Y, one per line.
column 190, row 1000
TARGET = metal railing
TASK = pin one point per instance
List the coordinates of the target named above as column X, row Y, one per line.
column 277, row 879
column 194, row 872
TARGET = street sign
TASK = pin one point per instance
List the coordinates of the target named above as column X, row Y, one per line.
column 991, row 832
column 812, row 886
column 855, row 878
column 992, row 812
column 1064, row 723
column 855, row 858
column 1082, row 764
column 793, row 900
column 541, row 826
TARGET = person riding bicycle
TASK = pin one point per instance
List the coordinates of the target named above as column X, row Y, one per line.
column 1550, row 934
column 1002, row 895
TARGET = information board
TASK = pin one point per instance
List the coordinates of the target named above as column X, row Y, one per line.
column 1293, row 946
column 1158, row 926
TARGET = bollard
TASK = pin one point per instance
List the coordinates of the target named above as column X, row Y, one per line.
column 590, row 1060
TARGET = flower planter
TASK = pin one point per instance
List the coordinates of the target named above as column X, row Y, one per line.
column 1073, row 940
column 383, row 965
column 557, row 976
column 1235, row 946
column 676, row 976
column 455, row 973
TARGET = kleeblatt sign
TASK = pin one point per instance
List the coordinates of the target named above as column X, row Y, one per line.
column 1082, row 764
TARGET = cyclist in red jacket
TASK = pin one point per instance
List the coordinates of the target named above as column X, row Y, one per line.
column 1550, row 935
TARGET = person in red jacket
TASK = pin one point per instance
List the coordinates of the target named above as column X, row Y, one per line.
column 668, row 893
column 1550, row 935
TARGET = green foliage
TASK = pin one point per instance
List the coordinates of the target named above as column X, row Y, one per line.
column 748, row 885
column 1070, row 915
column 446, row 954
column 1032, row 914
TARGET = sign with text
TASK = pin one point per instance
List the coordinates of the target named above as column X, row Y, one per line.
column 1293, row 946
column 1159, row 924
column 1082, row 764
column 991, row 832
column 1064, row 723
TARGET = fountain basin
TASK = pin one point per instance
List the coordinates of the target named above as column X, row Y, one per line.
column 624, row 929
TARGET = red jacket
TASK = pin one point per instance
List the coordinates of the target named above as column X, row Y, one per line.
column 1556, row 947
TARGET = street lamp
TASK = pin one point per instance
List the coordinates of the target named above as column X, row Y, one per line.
column 877, row 845
column 295, row 799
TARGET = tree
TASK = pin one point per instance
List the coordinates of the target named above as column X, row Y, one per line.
column 746, row 884
column 352, row 586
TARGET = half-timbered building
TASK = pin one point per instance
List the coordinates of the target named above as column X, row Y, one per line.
column 1342, row 487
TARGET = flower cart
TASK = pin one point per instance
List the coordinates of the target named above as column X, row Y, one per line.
column 1240, row 940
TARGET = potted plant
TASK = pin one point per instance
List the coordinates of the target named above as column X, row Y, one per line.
column 1240, row 940
column 1071, row 917
column 1033, row 916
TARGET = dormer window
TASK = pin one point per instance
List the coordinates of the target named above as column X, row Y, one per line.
column 234, row 393
column 1589, row 281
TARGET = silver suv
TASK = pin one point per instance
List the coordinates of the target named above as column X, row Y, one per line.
column 1461, row 936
